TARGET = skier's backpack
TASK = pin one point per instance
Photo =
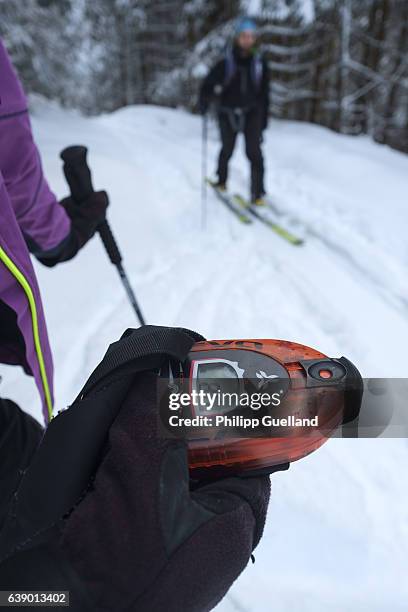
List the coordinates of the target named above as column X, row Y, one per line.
column 231, row 68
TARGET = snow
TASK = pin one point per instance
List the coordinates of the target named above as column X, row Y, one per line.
column 337, row 530
column 280, row 9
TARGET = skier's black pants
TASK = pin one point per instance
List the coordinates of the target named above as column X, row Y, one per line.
column 20, row 435
column 252, row 129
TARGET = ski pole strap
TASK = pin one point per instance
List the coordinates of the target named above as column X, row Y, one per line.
column 146, row 342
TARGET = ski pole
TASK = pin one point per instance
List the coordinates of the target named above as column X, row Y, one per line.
column 204, row 141
column 79, row 179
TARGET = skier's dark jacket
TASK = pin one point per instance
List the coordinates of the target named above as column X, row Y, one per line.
column 243, row 83
column 102, row 507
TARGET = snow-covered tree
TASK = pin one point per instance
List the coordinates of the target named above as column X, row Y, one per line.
column 43, row 37
column 340, row 63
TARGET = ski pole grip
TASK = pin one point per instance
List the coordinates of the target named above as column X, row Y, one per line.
column 79, row 179
column 77, row 172
column 109, row 243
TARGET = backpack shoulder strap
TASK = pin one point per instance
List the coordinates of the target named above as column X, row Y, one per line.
column 230, row 66
column 257, row 68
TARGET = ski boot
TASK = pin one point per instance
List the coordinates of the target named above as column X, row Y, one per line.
column 217, row 185
column 259, row 201
column 258, row 198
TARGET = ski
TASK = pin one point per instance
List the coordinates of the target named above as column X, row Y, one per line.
column 270, row 204
column 227, row 200
column 273, row 225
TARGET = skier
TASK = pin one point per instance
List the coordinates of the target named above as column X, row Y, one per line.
column 240, row 84
column 98, row 505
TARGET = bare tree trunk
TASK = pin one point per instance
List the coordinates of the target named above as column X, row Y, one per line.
column 346, row 22
column 391, row 97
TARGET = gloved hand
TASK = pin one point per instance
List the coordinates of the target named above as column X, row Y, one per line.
column 140, row 537
column 86, row 216
column 173, row 548
column 85, row 219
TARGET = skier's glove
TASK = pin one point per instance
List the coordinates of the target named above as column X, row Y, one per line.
column 143, row 539
column 140, row 537
column 85, row 219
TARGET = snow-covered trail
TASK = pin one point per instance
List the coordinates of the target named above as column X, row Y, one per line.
column 348, row 252
column 337, row 533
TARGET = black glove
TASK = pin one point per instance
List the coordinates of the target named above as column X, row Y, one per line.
column 174, row 548
column 140, row 538
column 85, row 219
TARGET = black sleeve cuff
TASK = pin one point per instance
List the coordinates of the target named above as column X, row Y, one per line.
column 65, row 250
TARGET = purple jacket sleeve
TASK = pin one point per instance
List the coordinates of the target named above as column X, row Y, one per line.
column 44, row 223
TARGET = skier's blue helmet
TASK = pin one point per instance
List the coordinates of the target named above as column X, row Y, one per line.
column 245, row 24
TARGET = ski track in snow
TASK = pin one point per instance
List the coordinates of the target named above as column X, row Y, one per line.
column 357, row 249
column 358, row 253
column 337, row 534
